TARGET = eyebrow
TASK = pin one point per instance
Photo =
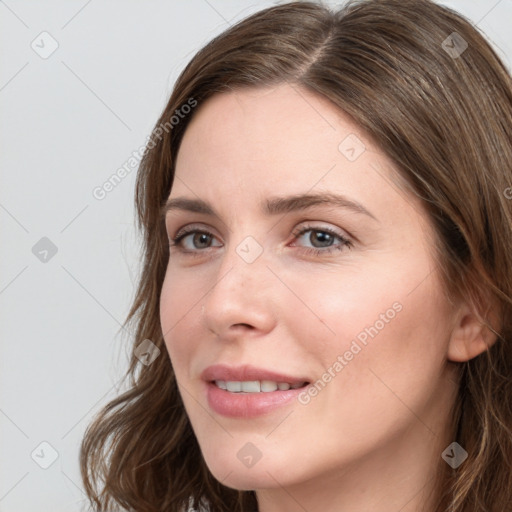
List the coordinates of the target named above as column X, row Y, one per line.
column 273, row 205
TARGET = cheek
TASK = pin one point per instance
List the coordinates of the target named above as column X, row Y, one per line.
column 394, row 320
column 179, row 313
column 384, row 360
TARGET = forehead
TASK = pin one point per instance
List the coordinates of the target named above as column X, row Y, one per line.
column 267, row 123
column 283, row 135
column 258, row 142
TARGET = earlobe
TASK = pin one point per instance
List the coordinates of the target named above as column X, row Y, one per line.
column 470, row 337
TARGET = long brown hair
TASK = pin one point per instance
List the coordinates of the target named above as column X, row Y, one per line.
column 427, row 87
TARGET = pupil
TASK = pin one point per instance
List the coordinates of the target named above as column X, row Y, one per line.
column 202, row 237
column 322, row 237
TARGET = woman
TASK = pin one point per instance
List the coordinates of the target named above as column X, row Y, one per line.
column 327, row 274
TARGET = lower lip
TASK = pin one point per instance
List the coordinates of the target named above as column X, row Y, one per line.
column 247, row 405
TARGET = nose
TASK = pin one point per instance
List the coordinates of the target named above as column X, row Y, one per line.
column 242, row 299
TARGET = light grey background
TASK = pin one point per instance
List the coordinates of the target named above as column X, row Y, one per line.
column 68, row 122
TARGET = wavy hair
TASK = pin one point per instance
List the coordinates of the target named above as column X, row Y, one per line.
column 423, row 83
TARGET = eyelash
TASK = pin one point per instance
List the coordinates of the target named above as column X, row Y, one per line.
column 344, row 242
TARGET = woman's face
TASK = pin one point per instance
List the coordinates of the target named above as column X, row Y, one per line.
column 341, row 294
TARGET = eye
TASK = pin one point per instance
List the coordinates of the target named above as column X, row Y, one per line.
column 193, row 241
column 196, row 238
column 322, row 239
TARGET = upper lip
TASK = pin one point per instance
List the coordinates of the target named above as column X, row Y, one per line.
column 246, row 373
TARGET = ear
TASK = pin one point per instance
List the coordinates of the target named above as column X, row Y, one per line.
column 470, row 336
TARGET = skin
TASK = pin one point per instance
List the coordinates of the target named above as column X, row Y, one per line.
column 373, row 436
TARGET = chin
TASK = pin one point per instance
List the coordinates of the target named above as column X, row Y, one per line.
column 246, row 480
column 234, row 474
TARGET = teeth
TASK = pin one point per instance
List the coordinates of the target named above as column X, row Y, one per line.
column 256, row 386
column 268, row 385
column 252, row 386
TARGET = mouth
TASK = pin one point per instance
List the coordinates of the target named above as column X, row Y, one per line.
column 257, row 386
column 245, row 392
column 250, row 379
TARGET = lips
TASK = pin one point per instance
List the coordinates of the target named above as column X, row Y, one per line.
column 248, row 373
column 245, row 405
